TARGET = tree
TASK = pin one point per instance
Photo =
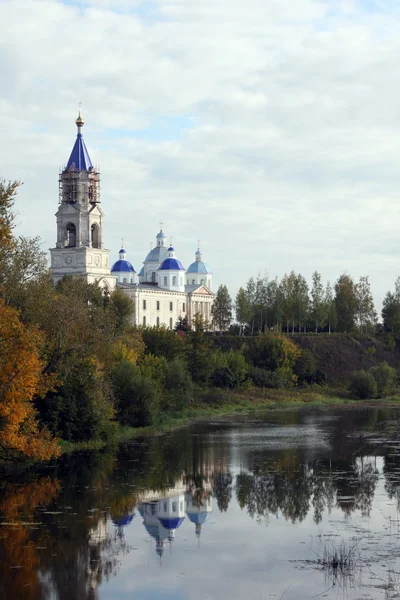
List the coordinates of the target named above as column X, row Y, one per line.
column 242, row 309
column 8, row 191
column 391, row 311
column 221, row 310
column 346, row 303
column 21, row 378
column 330, row 307
column 318, row 303
column 366, row 314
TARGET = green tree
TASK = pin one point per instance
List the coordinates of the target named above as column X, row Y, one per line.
column 242, row 309
column 330, row 307
column 221, row 310
column 366, row 314
column 318, row 303
column 391, row 311
column 346, row 303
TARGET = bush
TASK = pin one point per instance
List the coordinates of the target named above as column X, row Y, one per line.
column 363, row 385
column 137, row 397
column 260, row 377
column 272, row 351
column 177, row 384
column 385, row 377
column 223, row 377
column 281, row 378
column 306, row 369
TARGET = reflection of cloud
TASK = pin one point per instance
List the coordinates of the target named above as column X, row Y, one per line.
column 288, row 109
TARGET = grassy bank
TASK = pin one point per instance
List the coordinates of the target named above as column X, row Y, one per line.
column 221, row 403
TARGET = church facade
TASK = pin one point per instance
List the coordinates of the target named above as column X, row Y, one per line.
column 162, row 291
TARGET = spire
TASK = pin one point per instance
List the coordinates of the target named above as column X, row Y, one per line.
column 79, row 159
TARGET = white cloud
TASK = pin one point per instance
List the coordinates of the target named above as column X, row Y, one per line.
column 268, row 129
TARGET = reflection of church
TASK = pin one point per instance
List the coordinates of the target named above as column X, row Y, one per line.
column 162, row 517
column 163, row 290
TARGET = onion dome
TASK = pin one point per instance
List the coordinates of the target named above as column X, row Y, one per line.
column 172, row 523
column 122, row 265
column 198, row 518
column 159, row 253
column 199, row 266
column 79, row 159
column 123, row 520
column 171, row 263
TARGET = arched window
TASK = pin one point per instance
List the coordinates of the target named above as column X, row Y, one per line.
column 70, row 236
column 170, row 324
column 193, row 281
column 124, row 280
column 158, row 321
column 94, row 231
column 131, row 280
column 174, row 280
column 144, row 321
column 165, row 281
column 201, row 281
column 153, row 277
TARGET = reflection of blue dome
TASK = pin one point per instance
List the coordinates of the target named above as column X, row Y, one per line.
column 172, row 523
column 171, row 264
column 122, row 266
column 199, row 267
column 198, row 518
column 157, row 254
column 124, row 520
column 152, row 529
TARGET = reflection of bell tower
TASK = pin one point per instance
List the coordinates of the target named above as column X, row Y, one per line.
column 79, row 249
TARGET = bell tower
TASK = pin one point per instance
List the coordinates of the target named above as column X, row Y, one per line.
column 79, row 248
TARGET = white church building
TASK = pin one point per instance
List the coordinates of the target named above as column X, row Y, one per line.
column 163, row 290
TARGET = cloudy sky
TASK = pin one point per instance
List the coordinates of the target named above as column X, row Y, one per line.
column 269, row 129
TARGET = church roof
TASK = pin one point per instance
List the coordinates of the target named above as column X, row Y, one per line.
column 122, row 266
column 80, row 158
column 198, row 518
column 171, row 264
column 172, row 523
column 157, row 254
column 199, row 267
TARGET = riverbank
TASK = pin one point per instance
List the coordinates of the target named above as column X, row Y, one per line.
column 225, row 403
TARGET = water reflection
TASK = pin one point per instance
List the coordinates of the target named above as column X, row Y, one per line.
column 66, row 531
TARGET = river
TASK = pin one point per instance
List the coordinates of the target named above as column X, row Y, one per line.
column 249, row 508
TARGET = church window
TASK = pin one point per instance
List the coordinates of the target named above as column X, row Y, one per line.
column 174, row 506
column 201, row 281
column 158, row 321
column 170, row 324
column 193, row 281
column 131, row 280
column 153, row 277
column 165, row 507
column 184, row 307
column 153, row 509
column 174, row 280
column 144, row 321
column 171, row 307
column 94, row 231
column 158, row 305
column 124, row 280
column 144, row 304
column 165, row 281
column 70, row 236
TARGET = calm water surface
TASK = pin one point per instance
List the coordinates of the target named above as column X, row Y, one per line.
column 238, row 509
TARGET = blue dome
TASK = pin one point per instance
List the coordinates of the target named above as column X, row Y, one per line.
column 160, row 235
column 172, row 523
column 199, row 267
column 141, row 272
column 123, row 521
column 198, row 518
column 171, row 249
column 79, row 159
column 122, row 251
column 122, row 266
column 171, row 264
column 157, row 254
